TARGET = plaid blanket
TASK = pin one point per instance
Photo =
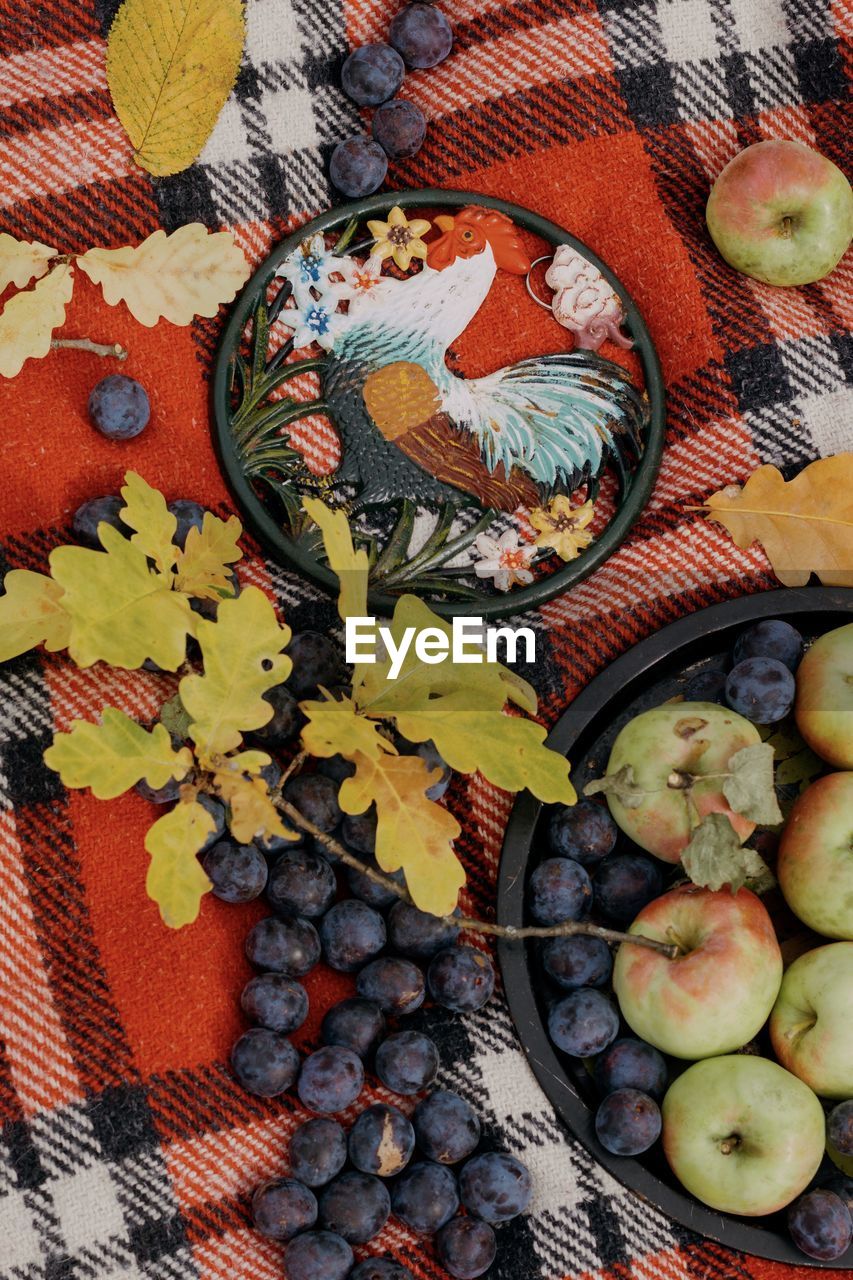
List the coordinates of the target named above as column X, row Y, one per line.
column 127, row 1150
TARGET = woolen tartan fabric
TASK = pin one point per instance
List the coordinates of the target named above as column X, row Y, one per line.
column 127, row 1150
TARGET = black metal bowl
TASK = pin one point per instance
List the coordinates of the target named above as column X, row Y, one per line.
column 643, row 677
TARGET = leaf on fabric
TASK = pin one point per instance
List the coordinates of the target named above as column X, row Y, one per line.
column 350, row 565
column 252, row 814
column 145, row 511
column 29, row 319
column 189, row 273
column 121, row 611
column 412, row 832
column 22, row 261
column 335, row 728
column 750, row 789
column 805, row 525
column 171, row 64
column 176, row 880
column 204, row 566
column 243, row 660
column 31, row 613
column 715, row 857
column 111, row 757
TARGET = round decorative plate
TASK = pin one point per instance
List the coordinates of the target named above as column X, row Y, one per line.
column 647, row 675
column 388, row 359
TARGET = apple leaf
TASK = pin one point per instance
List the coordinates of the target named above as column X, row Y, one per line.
column 715, row 857
column 113, row 756
column 621, row 785
column 176, row 880
column 750, row 789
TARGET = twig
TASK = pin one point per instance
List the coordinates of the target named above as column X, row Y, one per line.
column 113, row 349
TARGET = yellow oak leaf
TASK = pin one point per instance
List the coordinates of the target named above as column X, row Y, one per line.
column 113, row 756
column 242, row 661
column 121, row 611
column 170, row 68
column 805, row 525
column 29, row 319
column 335, row 728
column 203, row 566
column 31, row 613
column 350, row 565
column 145, row 511
column 186, row 274
column 22, row 261
column 176, row 880
column 412, row 831
column 252, row 813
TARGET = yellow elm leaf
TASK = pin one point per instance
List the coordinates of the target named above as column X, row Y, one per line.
column 22, row 261
column 186, row 274
column 335, row 727
column 805, row 525
column 31, row 613
column 29, row 319
column 412, row 831
column 121, row 611
column 253, row 814
column 171, row 64
column 350, row 565
column 145, row 511
column 176, row 880
column 242, row 661
column 113, row 756
column 204, row 565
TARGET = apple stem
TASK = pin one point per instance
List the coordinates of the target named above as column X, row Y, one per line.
column 785, row 227
column 730, row 1144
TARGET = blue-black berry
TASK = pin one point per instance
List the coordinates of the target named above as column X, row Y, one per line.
column 119, row 407
column 372, row 74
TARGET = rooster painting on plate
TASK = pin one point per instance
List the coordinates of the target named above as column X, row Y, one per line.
column 411, row 429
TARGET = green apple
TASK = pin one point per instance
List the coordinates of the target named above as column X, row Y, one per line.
column 717, row 995
column 811, row 1025
column 741, row 1134
column 665, row 747
column 815, row 863
column 781, row 212
column 824, row 706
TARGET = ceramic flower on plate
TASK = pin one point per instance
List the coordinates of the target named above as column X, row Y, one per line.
column 562, row 527
column 400, row 239
column 505, row 560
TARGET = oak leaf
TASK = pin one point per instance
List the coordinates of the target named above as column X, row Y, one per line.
column 203, row 568
column 805, row 525
column 113, row 756
column 186, row 274
column 176, row 880
column 350, row 565
column 252, row 813
column 121, row 611
column 412, row 832
column 242, row 661
column 31, row 613
column 146, row 512
column 335, row 728
column 22, row 261
column 29, row 319
column 171, row 64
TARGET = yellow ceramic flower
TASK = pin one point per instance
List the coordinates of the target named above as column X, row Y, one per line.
column 563, row 527
column 399, row 239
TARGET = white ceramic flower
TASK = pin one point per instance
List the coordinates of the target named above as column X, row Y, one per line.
column 314, row 321
column 359, row 279
column 308, row 268
column 505, row 559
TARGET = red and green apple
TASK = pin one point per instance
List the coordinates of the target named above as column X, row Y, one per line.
column 815, row 863
column 811, row 1026
column 824, row 706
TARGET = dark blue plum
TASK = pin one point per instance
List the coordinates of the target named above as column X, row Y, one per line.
column 381, row 1141
column 283, row 1207
column 166, row 794
column 624, row 883
column 770, row 638
column 495, row 1187
column 275, row 1001
column 400, row 128
column 433, row 760
column 359, row 831
column 238, row 872
column 381, row 1269
column 396, row 985
column 264, row 1062
column 559, row 890
column 820, row 1225
column 316, row 798
column 316, row 661
column 216, row 809
column 286, row 718
column 273, row 846
column 447, row 1127
column 85, row 521
column 583, row 1023
column 577, row 961
column 352, row 933
column 189, row 515
column 318, row 1255
column 330, row 1080
column 301, row 884
column 407, row 1062
column 372, row 74
column 358, row 167
column 336, row 767
column 421, row 34
column 425, row 1197
column 466, row 1248
column 356, row 1206
column 627, row 1122
column 584, row 832
column 366, row 890
column 840, row 1183
column 839, row 1127
column 354, row 1024
column 418, row 934
column 461, row 979
column 631, row 1064
column 318, row 1151
column 283, row 946
column 761, row 689
column 119, row 407
column 706, row 686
